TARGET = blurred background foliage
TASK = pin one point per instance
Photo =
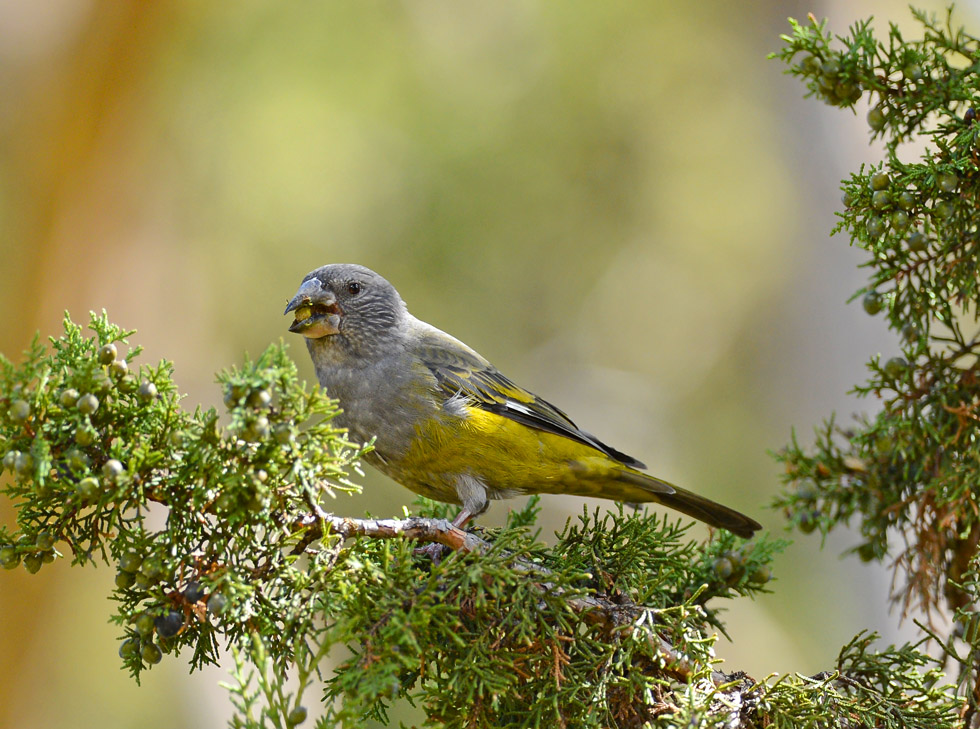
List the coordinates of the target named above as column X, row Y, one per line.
column 624, row 205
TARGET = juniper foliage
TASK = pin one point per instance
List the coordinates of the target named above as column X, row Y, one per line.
column 247, row 559
column 614, row 625
column 614, row 622
column 908, row 476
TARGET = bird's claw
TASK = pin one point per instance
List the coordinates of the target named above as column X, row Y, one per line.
column 434, row 551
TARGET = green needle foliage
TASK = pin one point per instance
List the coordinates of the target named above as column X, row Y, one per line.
column 600, row 630
column 94, row 447
column 909, row 476
column 219, row 529
column 614, row 625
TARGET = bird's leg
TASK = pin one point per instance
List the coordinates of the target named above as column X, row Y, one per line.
column 462, row 518
column 472, row 493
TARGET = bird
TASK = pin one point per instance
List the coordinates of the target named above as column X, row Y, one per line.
column 449, row 425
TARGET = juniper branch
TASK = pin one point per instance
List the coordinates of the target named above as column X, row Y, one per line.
column 598, row 611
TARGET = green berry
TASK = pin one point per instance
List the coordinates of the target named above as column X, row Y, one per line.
column 88, row 488
column 217, row 604
column 87, row 404
column 9, row 557
column 147, row 391
column 125, row 580
column 260, row 399
column 176, row 439
column 947, row 181
column 895, row 367
column 876, row 119
column 873, row 303
column 68, row 397
column 129, row 649
column 810, row 65
column 880, row 181
column 130, row 562
column 153, row 568
column 944, row 209
column 47, row 557
column 102, row 384
column 258, row 429
column 143, row 582
column 906, row 201
column 911, row 333
column 77, row 460
column 151, row 654
column 760, row 575
column 723, row 568
column 24, row 464
column 847, row 92
column 112, row 470
column 127, row 384
column 900, row 220
column 912, row 72
column 875, row 227
column 44, row 541
column 881, row 199
column 107, row 354
column 85, row 436
column 296, row 716
column 10, row 459
column 19, row 411
column 119, row 368
column 234, row 394
column 144, row 624
column 917, row 242
column 32, row 563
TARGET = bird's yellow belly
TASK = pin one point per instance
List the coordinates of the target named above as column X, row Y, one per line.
column 507, row 457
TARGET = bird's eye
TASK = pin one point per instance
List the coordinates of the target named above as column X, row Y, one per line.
column 353, row 288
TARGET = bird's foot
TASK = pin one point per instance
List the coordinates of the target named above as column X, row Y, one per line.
column 434, row 551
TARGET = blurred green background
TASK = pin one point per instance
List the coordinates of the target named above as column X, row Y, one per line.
column 624, row 205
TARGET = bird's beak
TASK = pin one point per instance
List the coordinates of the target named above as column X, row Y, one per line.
column 317, row 314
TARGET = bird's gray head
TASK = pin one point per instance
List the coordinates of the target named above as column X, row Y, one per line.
column 347, row 305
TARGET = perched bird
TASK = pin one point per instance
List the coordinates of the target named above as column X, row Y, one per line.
column 448, row 425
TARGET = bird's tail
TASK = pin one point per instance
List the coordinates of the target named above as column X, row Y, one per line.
column 686, row 502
